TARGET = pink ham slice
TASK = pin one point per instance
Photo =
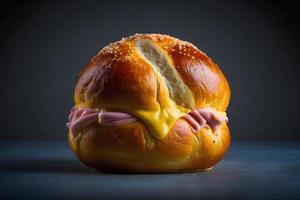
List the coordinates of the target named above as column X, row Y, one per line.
column 80, row 117
column 199, row 118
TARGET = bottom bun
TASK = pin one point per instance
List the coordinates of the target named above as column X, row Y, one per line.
column 131, row 148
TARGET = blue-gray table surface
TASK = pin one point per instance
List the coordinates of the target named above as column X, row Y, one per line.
column 49, row 170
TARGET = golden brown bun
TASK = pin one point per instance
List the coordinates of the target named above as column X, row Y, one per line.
column 117, row 78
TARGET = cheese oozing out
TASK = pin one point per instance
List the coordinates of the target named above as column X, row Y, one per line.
column 169, row 107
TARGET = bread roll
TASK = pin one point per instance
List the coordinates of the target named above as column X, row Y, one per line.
column 161, row 85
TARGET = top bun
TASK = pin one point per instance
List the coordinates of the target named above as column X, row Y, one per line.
column 155, row 77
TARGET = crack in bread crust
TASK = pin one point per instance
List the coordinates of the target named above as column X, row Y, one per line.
column 162, row 65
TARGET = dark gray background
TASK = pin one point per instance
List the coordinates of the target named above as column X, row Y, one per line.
column 45, row 44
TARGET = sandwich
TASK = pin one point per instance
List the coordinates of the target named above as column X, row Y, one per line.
column 150, row 103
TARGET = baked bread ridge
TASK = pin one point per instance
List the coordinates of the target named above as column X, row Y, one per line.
column 122, row 78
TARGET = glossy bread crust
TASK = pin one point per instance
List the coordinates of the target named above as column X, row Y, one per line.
column 117, row 78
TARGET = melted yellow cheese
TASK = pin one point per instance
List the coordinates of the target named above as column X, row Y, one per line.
column 160, row 121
